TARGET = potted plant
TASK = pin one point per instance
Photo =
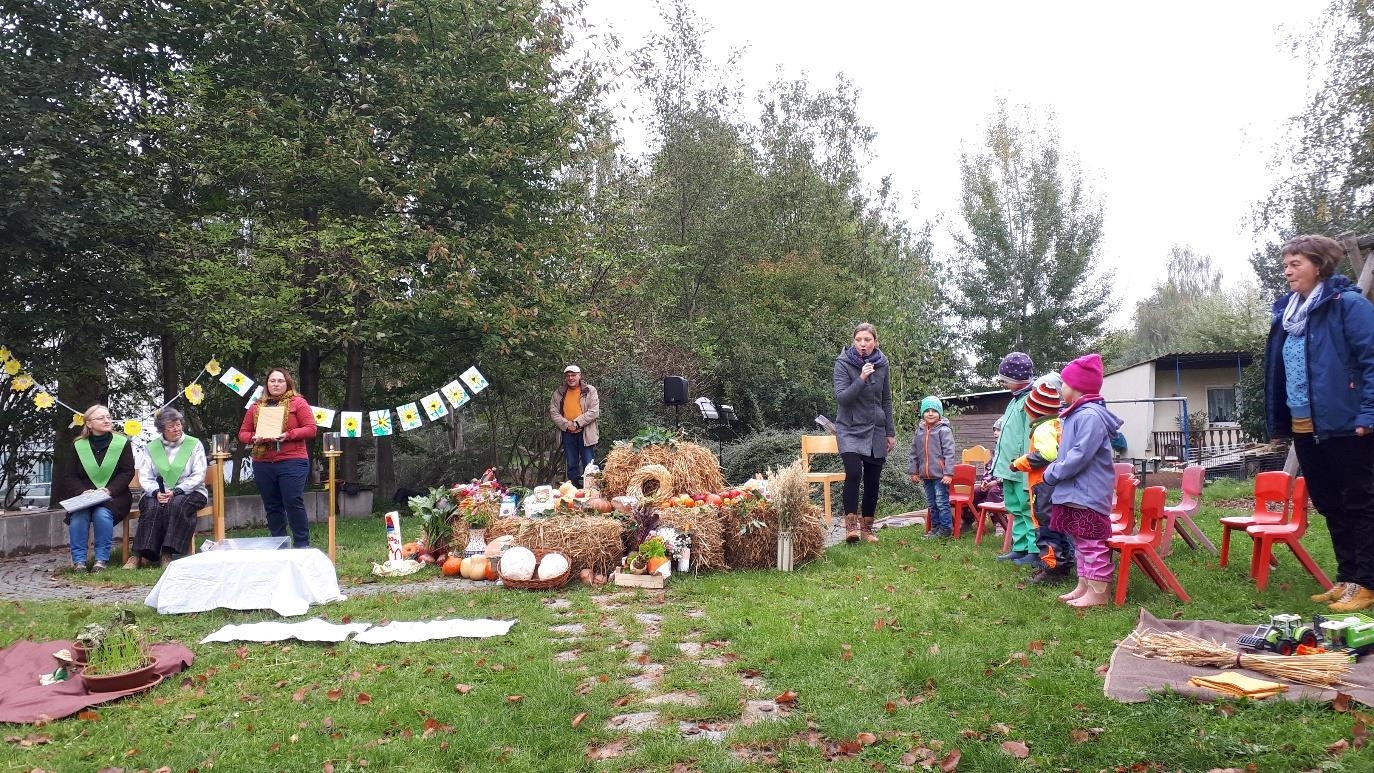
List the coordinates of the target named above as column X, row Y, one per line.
column 435, row 511
column 118, row 657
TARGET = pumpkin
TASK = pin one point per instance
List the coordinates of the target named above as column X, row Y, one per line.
column 474, row 567
column 553, row 565
column 491, row 571
column 600, row 505
column 518, row 564
column 453, row 566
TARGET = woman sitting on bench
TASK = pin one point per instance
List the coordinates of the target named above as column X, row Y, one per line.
column 105, row 461
column 172, row 475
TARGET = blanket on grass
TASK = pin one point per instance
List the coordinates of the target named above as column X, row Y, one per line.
column 1133, row 679
column 24, row 700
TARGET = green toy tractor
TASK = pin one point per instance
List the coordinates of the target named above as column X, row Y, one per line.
column 1352, row 632
column 1282, row 634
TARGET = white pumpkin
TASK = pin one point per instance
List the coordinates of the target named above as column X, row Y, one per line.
column 553, row 565
column 517, row 563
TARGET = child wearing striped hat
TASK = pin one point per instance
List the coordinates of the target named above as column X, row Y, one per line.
column 1056, row 549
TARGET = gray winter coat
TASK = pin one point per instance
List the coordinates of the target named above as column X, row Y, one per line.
column 864, row 421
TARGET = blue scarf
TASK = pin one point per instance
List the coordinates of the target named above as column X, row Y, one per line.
column 851, row 356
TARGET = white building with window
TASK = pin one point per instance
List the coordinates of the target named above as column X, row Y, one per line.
column 1154, row 396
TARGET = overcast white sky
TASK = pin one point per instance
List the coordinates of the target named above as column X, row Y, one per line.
column 1174, row 110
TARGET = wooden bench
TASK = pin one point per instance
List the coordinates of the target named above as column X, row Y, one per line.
column 214, row 480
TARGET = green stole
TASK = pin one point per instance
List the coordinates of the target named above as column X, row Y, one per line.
column 101, row 473
column 171, row 470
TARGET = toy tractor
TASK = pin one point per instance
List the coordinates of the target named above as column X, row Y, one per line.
column 1283, row 634
column 1352, row 632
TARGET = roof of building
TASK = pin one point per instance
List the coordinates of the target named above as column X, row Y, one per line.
column 1194, row 360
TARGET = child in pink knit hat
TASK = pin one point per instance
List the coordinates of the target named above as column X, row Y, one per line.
column 1083, row 479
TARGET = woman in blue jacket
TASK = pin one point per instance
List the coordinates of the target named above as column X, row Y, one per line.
column 1319, row 390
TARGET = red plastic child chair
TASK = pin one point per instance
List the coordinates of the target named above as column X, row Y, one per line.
column 1141, row 549
column 985, row 513
column 1180, row 516
column 961, row 494
column 1123, row 508
column 1271, row 488
column 1290, row 534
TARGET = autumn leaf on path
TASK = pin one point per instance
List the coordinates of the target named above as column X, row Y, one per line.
column 1341, row 703
column 609, row 751
column 786, row 697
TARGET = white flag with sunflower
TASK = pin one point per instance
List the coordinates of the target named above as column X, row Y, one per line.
column 351, row 423
column 410, row 416
column 324, row 417
column 474, row 379
column 237, row 381
column 456, row 394
column 380, row 421
column 434, row 406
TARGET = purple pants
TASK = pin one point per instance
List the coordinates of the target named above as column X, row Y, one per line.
column 1094, row 559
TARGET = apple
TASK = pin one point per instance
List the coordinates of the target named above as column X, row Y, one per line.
column 714, row 499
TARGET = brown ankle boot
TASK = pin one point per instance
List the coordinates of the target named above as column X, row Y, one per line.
column 868, row 534
column 851, row 528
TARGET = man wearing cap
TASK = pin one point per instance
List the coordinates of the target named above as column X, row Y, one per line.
column 574, row 409
column 1015, row 372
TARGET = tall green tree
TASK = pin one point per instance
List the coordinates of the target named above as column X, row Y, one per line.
column 1028, row 269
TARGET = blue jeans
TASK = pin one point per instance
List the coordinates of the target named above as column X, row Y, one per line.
column 79, row 527
column 282, row 487
column 577, row 455
column 937, row 499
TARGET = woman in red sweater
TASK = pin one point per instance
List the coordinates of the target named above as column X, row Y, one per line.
column 281, row 462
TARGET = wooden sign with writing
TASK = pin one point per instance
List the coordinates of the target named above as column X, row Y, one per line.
column 271, row 421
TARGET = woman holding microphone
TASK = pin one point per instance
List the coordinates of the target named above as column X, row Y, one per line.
column 864, row 428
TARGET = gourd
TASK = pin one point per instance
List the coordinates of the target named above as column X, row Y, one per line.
column 517, row 563
column 475, row 567
column 453, row 566
column 553, row 565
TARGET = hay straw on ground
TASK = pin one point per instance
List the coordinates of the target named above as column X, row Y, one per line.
column 655, row 473
column 707, row 526
column 693, row 467
column 1320, row 670
column 589, row 542
column 751, row 546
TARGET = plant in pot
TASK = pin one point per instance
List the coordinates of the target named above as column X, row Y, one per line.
column 119, row 659
column 435, row 511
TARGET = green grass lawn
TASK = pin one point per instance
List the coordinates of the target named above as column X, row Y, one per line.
column 925, row 645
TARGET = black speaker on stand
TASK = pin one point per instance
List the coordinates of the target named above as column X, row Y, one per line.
column 675, row 394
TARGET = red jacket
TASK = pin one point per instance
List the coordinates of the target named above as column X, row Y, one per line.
column 300, row 428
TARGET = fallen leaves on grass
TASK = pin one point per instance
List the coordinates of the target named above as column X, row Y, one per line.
column 462, row 689
column 786, row 697
column 514, row 698
column 846, row 652
column 89, row 716
column 334, row 695
column 579, row 719
column 364, row 699
column 1017, row 749
column 1341, row 703
column 1081, row 735
column 609, row 751
column 30, row 740
column 433, row 727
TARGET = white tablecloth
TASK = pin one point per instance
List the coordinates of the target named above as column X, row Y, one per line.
column 285, row 581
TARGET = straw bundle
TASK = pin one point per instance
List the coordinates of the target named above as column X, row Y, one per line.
column 655, row 473
column 707, row 527
column 693, row 468
column 751, row 535
column 589, row 542
column 1320, row 670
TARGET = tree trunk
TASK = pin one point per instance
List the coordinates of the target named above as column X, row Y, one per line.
column 308, row 375
column 85, row 382
column 353, row 401
column 171, row 376
column 386, row 470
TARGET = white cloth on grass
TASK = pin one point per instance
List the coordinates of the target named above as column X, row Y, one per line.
column 284, row 581
column 434, row 629
column 313, row 629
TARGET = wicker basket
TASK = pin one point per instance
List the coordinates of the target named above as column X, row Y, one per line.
column 549, row 584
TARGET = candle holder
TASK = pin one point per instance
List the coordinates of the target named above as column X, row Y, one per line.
column 219, row 445
column 331, row 444
column 332, row 452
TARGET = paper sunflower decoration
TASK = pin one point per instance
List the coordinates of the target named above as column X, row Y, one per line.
column 133, row 427
column 4, row 353
column 78, row 420
column 212, row 367
column 43, row 401
column 21, row 382
column 351, row 424
column 12, row 367
column 320, row 415
column 194, row 394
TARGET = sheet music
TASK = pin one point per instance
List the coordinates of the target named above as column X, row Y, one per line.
column 83, row 501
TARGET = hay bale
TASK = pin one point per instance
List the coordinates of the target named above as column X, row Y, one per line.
column 589, row 542
column 693, row 468
column 751, row 536
column 707, row 527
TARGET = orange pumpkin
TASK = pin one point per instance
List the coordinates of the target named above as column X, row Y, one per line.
column 601, row 505
column 655, row 563
column 453, row 566
column 491, row 571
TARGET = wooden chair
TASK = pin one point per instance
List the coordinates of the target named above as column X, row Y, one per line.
column 820, row 444
column 1290, row 534
column 1271, row 488
column 975, row 456
column 1181, row 515
column 1141, row 549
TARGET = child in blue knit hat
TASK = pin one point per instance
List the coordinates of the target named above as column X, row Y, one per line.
column 932, row 464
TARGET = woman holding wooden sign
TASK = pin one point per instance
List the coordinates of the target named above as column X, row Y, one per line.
column 105, row 464
column 278, row 426
column 171, row 473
